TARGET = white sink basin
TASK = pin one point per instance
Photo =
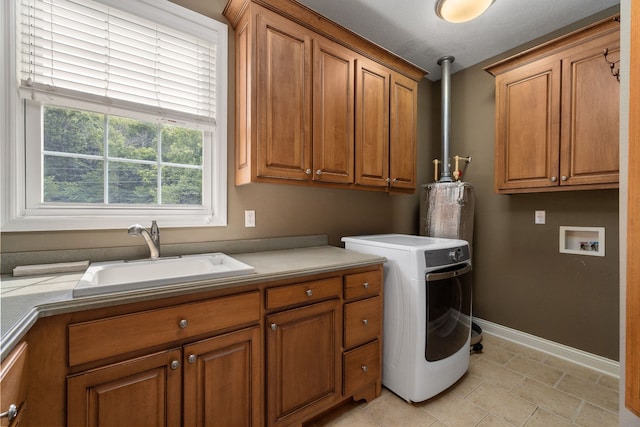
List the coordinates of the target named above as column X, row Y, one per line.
column 118, row 276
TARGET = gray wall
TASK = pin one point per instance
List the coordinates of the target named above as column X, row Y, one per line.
column 520, row 279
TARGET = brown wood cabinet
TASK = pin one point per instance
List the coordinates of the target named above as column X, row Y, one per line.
column 206, row 358
column 403, row 138
column 303, row 362
column 362, row 355
column 632, row 336
column 13, row 386
column 303, row 350
column 145, row 391
column 316, row 104
column 214, row 381
column 222, row 380
column 557, row 109
column 333, row 110
column 323, row 345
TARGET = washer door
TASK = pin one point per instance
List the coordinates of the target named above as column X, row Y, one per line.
column 448, row 316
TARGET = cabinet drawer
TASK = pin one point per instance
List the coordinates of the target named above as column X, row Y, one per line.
column 94, row 340
column 361, row 367
column 362, row 284
column 362, row 321
column 303, row 292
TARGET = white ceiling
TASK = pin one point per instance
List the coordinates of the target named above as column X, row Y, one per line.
column 411, row 29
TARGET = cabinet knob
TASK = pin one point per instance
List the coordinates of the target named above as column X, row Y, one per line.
column 309, row 292
column 564, row 177
column 554, row 179
column 365, row 321
column 364, row 368
column 365, row 285
column 192, row 358
column 183, row 323
column 308, row 171
column 395, row 180
column 174, row 365
column 11, row 413
column 319, row 172
column 274, row 326
column 388, row 180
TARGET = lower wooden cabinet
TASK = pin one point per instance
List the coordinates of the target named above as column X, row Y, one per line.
column 361, row 367
column 218, row 379
column 273, row 354
column 223, row 380
column 13, row 386
column 362, row 355
column 304, row 367
column 143, row 392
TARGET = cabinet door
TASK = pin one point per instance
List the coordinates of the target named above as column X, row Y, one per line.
column 403, row 134
column 283, row 76
column 140, row 392
column 13, row 385
column 222, row 381
column 372, row 123
column 527, row 128
column 304, row 366
column 333, row 99
column 590, row 114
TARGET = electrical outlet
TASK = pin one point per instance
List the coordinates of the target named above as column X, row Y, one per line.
column 249, row 218
column 540, row 217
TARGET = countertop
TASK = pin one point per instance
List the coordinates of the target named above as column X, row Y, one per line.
column 23, row 300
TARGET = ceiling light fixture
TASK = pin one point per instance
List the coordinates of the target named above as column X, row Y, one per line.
column 461, row 10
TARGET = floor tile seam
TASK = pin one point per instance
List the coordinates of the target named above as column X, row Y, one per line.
column 580, row 408
column 488, row 358
column 603, row 385
column 576, row 372
column 498, row 365
column 489, row 414
column 535, row 406
column 563, row 372
column 531, row 415
column 528, row 376
column 576, row 412
column 496, row 384
column 480, row 382
column 523, row 350
column 469, row 402
column 587, row 400
column 599, row 386
column 524, row 376
column 616, row 413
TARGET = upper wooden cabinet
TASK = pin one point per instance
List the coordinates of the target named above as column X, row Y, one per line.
column 317, row 104
column 557, row 108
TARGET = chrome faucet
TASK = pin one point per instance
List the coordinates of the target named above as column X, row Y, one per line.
column 152, row 238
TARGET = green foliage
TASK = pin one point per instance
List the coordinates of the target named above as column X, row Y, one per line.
column 71, row 179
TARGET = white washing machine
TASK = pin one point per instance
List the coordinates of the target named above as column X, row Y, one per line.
column 427, row 311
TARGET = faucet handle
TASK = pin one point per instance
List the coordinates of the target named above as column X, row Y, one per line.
column 155, row 235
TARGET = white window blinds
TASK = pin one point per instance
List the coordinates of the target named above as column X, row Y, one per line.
column 86, row 50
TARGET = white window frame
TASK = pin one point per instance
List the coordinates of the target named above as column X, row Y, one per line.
column 17, row 168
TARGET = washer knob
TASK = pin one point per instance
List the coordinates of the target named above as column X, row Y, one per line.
column 455, row 255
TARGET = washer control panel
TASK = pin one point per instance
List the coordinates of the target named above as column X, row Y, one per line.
column 447, row 256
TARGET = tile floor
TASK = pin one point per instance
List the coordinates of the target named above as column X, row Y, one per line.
column 507, row 385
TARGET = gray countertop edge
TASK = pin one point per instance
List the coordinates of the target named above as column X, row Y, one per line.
column 269, row 266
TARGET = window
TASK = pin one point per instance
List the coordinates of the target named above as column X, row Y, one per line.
column 118, row 115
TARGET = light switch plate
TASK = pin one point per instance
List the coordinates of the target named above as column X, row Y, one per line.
column 540, row 217
column 249, row 218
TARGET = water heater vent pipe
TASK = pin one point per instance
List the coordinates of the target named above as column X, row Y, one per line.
column 445, row 62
